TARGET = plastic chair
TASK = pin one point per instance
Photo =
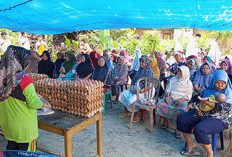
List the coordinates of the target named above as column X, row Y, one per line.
column 104, row 100
column 15, row 153
column 214, row 142
column 149, row 82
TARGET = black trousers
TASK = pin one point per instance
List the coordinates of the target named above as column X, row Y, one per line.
column 17, row 146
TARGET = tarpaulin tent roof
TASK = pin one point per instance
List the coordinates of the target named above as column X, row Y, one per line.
column 60, row 16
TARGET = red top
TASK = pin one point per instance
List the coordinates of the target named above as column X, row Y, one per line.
column 94, row 57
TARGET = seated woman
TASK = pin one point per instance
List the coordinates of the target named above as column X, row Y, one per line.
column 226, row 66
column 203, row 77
column 202, row 56
column 68, row 68
column 58, row 63
column 46, row 66
column 193, row 67
column 179, row 62
column 102, row 73
column 161, row 62
column 120, row 75
column 204, row 124
column 155, row 67
column 125, row 56
column 174, row 67
column 85, row 68
column 178, row 93
column 109, row 62
column 94, row 55
column 207, row 59
column 128, row 97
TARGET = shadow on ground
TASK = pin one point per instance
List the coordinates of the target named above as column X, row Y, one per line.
column 119, row 141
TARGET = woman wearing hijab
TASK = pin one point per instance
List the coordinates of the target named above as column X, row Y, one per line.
column 206, row 123
column 226, row 66
column 203, row 77
column 109, row 62
column 174, row 67
column 58, row 63
column 85, row 68
column 94, row 55
column 207, row 59
column 68, row 68
column 125, row 55
column 33, row 64
column 120, row 75
column 179, row 62
column 128, row 97
column 161, row 62
column 202, row 56
column 102, row 73
column 178, row 93
column 46, row 66
column 18, row 101
column 115, row 55
column 193, row 67
column 155, row 67
column 135, row 65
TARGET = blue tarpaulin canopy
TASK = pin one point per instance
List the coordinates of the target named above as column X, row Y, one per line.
column 60, row 16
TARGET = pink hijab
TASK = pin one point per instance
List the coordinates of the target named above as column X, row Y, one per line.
column 160, row 60
column 125, row 55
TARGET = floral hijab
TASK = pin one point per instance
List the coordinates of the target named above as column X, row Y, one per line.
column 120, row 70
column 12, row 66
column 143, row 72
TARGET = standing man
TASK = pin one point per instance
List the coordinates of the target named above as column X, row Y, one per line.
column 192, row 47
column 40, row 45
column 4, row 43
column 24, row 41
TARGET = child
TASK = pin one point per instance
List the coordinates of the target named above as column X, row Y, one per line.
column 218, row 98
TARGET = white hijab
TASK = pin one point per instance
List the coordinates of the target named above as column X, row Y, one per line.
column 181, row 87
column 136, row 64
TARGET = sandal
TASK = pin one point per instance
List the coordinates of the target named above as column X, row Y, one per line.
column 187, row 153
column 178, row 135
column 123, row 115
column 136, row 119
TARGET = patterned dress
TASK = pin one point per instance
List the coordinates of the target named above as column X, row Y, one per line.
column 176, row 89
column 127, row 98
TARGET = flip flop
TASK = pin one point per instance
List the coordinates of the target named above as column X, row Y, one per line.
column 164, row 126
column 187, row 153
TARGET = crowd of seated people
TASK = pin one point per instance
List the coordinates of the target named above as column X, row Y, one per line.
column 187, row 81
column 188, row 78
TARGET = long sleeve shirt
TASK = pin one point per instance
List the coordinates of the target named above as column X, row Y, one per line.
column 18, row 113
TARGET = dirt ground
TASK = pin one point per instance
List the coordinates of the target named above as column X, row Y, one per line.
column 119, row 141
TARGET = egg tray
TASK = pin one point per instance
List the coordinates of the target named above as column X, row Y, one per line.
column 78, row 110
column 78, row 100
column 35, row 76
